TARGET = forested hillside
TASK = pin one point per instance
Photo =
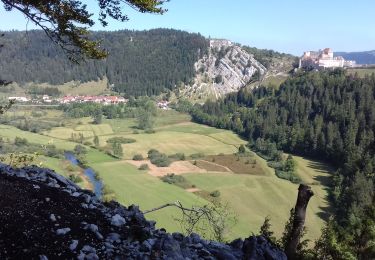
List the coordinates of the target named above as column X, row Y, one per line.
column 326, row 115
column 140, row 62
column 364, row 57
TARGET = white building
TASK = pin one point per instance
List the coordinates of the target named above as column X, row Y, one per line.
column 19, row 99
column 323, row 59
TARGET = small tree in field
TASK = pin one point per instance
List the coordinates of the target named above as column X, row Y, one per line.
column 96, row 141
column 242, row 149
column 117, row 149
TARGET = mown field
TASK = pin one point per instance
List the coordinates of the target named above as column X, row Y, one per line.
column 253, row 196
column 257, row 196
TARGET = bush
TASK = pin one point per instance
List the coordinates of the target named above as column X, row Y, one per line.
column 241, row 149
column 159, row 159
column 138, row 157
column 70, row 168
column 88, row 143
column 197, row 155
column 162, row 161
column 121, row 140
column 149, row 131
column 18, row 141
column 135, row 132
column 79, row 149
column 215, row 194
column 108, row 194
column 144, row 167
column 178, row 156
column 178, row 180
column 75, row 178
column 290, row 176
column 275, row 165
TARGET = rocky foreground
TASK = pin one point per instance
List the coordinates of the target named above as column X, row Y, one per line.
column 45, row 216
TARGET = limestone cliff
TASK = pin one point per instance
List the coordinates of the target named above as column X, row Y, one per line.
column 225, row 68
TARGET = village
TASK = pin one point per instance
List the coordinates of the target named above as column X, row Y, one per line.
column 104, row 100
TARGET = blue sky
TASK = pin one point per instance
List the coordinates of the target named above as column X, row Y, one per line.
column 290, row 26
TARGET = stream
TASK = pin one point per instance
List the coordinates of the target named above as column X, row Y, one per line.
column 89, row 173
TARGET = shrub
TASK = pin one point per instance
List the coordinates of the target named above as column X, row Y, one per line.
column 75, row 178
column 162, row 161
column 138, row 157
column 70, row 168
column 178, row 156
column 88, row 143
column 149, row 131
column 178, row 180
column 79, row 149
column 108, row 194
column 121, row 140
column 215, row 194
column 290, row 176
column 197, row 155
column 135, row 132
column 144, row 167
column 241, row 149
column 275, row 165
column 158, row 158
column 18, row 141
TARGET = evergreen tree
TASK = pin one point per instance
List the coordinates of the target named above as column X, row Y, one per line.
column 265, row 230
column 96, row 141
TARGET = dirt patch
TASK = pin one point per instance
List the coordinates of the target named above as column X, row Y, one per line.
column 178, row 168
column 211, row 166
column 237, row 164
column 192, row 190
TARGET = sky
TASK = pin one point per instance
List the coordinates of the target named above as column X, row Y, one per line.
column 290, row 26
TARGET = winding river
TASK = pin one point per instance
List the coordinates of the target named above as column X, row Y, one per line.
column 89, row 173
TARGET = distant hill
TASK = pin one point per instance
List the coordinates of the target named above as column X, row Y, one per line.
column 364, row 57
column 142, row 63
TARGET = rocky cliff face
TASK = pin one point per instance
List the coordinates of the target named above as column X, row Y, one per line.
column 45, row 216
column 226, row 68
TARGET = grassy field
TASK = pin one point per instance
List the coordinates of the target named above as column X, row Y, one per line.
column 259, row 196
column 133, row 186
column 12, row 132
column 171, row 142
column 252, row 196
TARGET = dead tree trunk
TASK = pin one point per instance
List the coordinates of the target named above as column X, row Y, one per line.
column 304, row 195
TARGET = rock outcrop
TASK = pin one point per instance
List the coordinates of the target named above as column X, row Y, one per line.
column 45, row 216
column 226, row 68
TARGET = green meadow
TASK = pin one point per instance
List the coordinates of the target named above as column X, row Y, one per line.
column 251, row 196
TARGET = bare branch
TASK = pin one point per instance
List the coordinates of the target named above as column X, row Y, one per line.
column 175, row 204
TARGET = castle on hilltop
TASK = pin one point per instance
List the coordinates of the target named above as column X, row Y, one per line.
column 323, row 59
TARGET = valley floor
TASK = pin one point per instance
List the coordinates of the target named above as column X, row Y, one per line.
column 249, row 186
